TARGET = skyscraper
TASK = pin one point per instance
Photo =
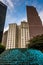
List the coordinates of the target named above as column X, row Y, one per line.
column 12, row 37
column 24, row 34
column 34, row 21
column 3, row 9
column 18, row 35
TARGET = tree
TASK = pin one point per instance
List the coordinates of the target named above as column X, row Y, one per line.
column 2, row 48
column 36, row 42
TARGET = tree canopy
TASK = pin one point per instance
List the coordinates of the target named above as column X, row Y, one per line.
column 36, row 42
column 2, row 48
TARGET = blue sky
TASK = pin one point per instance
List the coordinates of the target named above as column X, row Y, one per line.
column 16, row 10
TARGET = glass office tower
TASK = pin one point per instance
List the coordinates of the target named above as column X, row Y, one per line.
column 3, row 9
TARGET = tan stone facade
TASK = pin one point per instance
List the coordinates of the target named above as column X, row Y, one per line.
column 24, row 34
column 18, row 36
column 11, row 39
column 4, row 38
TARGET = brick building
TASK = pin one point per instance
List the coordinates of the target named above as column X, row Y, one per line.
column 34, row 21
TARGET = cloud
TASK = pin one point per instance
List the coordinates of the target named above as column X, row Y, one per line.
column 2, row 1
column 10, row 3
column 5, row 29
column 41, row 15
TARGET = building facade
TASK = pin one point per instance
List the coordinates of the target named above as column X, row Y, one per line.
column 3, row 9
column 11, row 39
column 24, row 34
column 18, row 36
column 34, row 21
column 4, row 38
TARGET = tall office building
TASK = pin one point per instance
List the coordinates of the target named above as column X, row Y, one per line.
column 34, row 21
column 12, row 37
column 3, row 9
column 25, row 37
column 18, row 36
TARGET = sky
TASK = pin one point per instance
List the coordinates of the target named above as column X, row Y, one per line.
column 16, row 10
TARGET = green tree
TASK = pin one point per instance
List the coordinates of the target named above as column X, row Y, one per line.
column 36, row 42
column 2, row 48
